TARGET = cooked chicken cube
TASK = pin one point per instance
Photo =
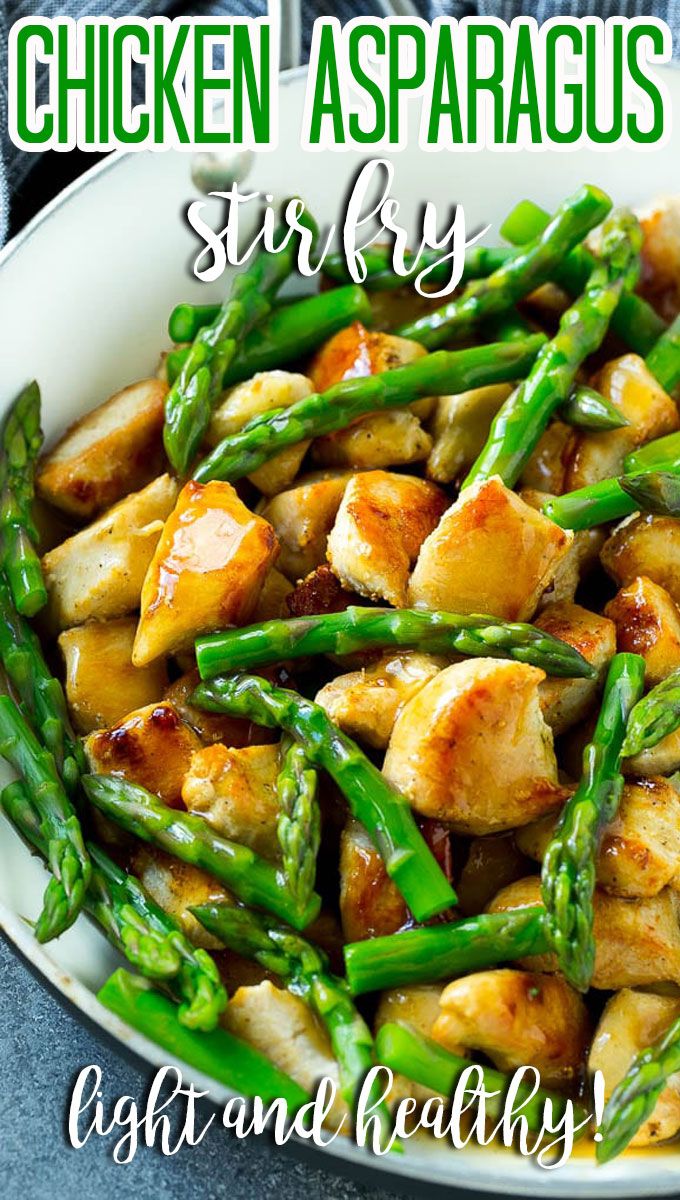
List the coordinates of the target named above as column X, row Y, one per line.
column 661, row 255
column 370, row 904
column 302, row 518
column 357, row 351
column 647, row 623
column 113, row 450
column 650, row 413
column 385, row 439
column 564, row 702
column 516, row 1017
column 662, row 759
column 490, row 553
column 101, row 683
column 235, row 791
column 177, row 887
column 151, row 747
column 583, row 554
column 545, row 468
column 366, row 703
column 640, row 849
column 631, row 1022
column 472, row 749
column 637, row 942
column 264, row 392
column 286, row 1030
column 645, row 545
column 207, row 570
column 272, row 599
column 381, row 525
column 214, row 727
column 492, row 863
column 460, row 428
column 98, row 573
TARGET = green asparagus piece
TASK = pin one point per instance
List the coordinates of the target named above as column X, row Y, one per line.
column 20, row 441
column 658, row 492
column 587, row 409
column 217, row 1054
column 41, row 694
column 521, row 274
column 440, row 374
column 654, row 456
column 612, row 499
column 67, row 857
column 663, row 359
column 421, row 1059
column 187, row 320
column 654, row 717
column 299, row 824
column 358, row 629
column 480, row 261
column 289, row 333
column 525, row 414
column 192, row 840
column 568, row 876
column 634, row 1098
column 134, row 924
column 444, row 951
column 304, row 970
column 634, row 321
column 190, row 401
column 383, row 811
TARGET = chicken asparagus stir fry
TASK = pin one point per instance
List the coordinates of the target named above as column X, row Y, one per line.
column 343, row 673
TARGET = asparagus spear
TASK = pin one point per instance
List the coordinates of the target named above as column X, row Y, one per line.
column 568, row 876
column 383, row 811
column 192, row 840
column 480, row 261
column 654, row 456
column 525, row 414
column 654, row 717
column 134, row 924
column 289, row 333
column 40, row 693
column 191, row 398
column 444, row 951
column 435, row 374
column 634, row 321
column 587, row 409
column 304, row 970
column 421, row 1059
column 20, row 442
column 657, row 492
column 374, row 628
column 67, row 857
column 217, row 1054
column 663, row 359
column 520, row 275
column 299, row 824
column 596, row 504
column 634, row 1098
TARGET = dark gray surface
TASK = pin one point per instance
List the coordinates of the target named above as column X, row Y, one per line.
column 44, row 1046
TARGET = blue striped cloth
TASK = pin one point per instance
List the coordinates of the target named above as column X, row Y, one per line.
column 15, row 165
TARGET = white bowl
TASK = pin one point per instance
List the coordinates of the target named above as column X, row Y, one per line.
column 85, row 293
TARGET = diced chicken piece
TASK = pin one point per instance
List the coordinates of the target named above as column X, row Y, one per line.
column 460, row 428
column 381, row 525
column 235, row 791
column 490, row 553
column 492, row 863
column 583, row 554
column 370, row 903
column 472, row 749
column 98, row 573
column 101, row 683
column 214, row 727
column 419, row 1007
column 302, row 519
column 650, row 413
column 565, row 702
column 637, row 942
column 647, row 623
column 661, row 255
column 207, row 570
column 151, row 747
column 631, row 1022
column 355, row 352
column 176, row 887
column 385, row 439
column 286, row 1030
column 640, row 849
column 517, row 1018
column 662, row 759
column 366, row 703
column 319, row 592
column 264, row 392
column 113, row 450
column 546, row 466
column 272, row 600
column 645, row 545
